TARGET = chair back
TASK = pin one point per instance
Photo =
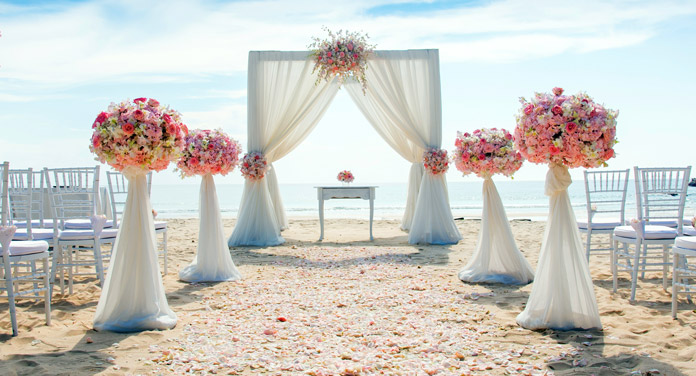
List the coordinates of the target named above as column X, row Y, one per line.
column 73, row 192
column 118, row 192
column 21, row 193
column 4, row 171
column 606, row 191
column 661, row 193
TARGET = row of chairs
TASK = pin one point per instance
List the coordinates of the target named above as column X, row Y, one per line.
column 61, row 231
column 660, row 204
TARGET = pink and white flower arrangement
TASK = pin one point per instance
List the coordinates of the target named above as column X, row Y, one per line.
column 343, row 54
column 254, row 166
column 346, row 176
column 209, row 152
column 486, row 152
column 141, row 134
column 570, row 130
column 435, row 161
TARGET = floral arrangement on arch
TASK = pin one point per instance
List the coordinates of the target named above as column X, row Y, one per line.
column 345, row 176
column 570, row 130
column 435, row 161
column 141, row 134
column 254, row 166
column 208, row 152
column 486, row 152
column 343, row 54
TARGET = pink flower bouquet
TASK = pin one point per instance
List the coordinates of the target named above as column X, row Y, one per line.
column 435, row 161
column 346, row 176
column 254, row 166
column 141, row 134
column 343, row 55
column 567, row 130
column 486, row 152
column 209, row 152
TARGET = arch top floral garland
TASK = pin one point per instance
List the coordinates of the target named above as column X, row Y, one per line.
column 343, row 54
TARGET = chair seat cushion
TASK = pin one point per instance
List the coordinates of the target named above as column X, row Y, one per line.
column 687, row 242
column 689, row 231
column 107, row 233
column 36, row 233
column 83, row 224
column 18, row 248
column 600, row 224
column 35, row 223
column 652, row 232
column 160, row 225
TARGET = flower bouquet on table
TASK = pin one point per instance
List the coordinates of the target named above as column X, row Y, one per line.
column 207, row 153
column 486, row 152
column 342, row 55
column 135, row 137
column 564, row 131
column 346, row 177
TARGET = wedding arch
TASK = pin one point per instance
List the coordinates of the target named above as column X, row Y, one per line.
column 403, row 104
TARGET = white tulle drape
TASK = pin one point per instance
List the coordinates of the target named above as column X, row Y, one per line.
column 284, row 105
column 497, row 258
column 404, row 106
column 213, row 262
column 563, row 295
column 133, row 295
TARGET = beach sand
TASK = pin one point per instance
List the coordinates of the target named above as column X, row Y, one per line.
column 351, row 306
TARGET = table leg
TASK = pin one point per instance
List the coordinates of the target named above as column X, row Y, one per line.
column 372, row 210
column 321, row 218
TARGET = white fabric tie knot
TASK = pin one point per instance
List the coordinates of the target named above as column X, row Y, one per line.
column 6, row 234
column 557, row 180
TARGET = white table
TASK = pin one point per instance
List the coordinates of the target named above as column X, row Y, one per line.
column 329, row 193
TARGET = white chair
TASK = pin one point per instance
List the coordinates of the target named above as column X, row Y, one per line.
column 684, row 273
column 22, row 255
column 23, row 209
column 660, row 198
column 118, row 191
column 40, row 208
column 73, row 197
column 605, row 192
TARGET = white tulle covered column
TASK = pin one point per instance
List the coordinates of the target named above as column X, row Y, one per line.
column 403, row 104
column 415, row 177
column 497, row 258
column 213, row 262
column 133, row 297
column 284, row 104
column 563, row 295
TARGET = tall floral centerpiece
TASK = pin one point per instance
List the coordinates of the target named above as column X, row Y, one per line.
column 136, row 137
column 487, row 152
column 564, row 131
column 341, row 55
column 209, row 152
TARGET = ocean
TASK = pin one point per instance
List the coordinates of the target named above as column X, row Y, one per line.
column 522, row 200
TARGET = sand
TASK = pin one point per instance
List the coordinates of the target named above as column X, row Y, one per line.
column 350, row 306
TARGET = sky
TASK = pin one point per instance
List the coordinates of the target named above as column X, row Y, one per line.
column 62, row 62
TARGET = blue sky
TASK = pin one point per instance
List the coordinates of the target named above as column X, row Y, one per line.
column 61, row 62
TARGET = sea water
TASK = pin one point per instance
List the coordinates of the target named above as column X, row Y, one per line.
column 522, row 200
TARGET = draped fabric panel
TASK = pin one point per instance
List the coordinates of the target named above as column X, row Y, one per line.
column 563, row 295
column 497, row 258
column 284, row 105
column 403, row 104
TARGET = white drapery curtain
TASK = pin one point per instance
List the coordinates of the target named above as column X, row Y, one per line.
column 284, row 105
column 497, row 258
column 133, row 295
column 563, row 295
column 213, row 262
column 404, row 106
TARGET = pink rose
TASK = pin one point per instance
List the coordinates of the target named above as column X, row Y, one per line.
column 139, row 100
column 194, row 161
column 328, row 54
column 139, row 115
column 330, row 61
column 96, row 140
column 128, row 128
column 167, row 118
column 571, row 127
column 554, row 150
column 528, row 110
column 153, row 102
column 557, row 110
column 557, row 90
column 342, row 54
column 350, row 46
